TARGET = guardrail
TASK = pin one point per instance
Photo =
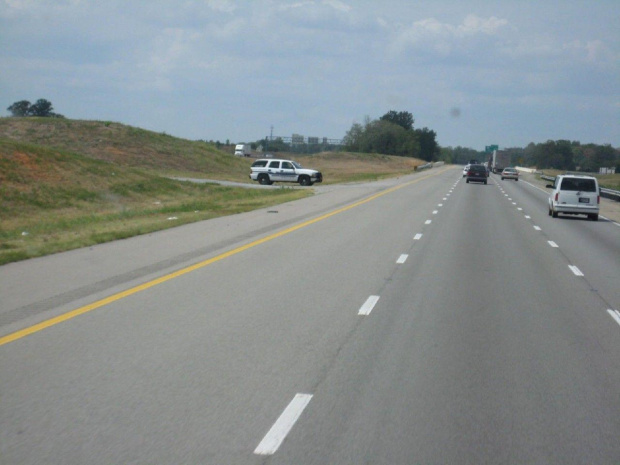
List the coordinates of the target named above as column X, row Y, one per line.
column 607, row 193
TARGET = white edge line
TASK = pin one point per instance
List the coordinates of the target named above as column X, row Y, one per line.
column 402, row 259
column 575, row 270
column 368, row 305
column 280, row 429
column 615, row 314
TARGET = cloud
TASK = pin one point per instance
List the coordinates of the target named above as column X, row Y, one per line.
column 444, row 38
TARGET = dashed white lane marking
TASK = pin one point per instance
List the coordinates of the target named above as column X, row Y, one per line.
column 528, row 217
column 520, row 209
column 368, row 305
column 440, row 204
column 417, row 237
column 514, row 203
column 435, row 212
column 615, row 314
column 537, row 228
column 402, row 259
column 552, row 244
column 428, row 222
column 576, row 271
column 445, row 198
column 278, row 432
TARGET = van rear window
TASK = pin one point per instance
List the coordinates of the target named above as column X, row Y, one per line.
column 583, row 185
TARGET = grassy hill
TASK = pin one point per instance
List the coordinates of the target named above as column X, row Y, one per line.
column 66, row 184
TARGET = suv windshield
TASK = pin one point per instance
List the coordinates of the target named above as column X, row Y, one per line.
column 584, row 185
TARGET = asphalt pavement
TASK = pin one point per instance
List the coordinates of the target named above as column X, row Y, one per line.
column 415, row 320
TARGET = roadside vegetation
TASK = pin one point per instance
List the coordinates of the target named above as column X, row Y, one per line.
column 66, row 184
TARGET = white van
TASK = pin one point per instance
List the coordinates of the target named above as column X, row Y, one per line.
column 575, row 195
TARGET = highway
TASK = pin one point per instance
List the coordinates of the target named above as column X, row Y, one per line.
column 418, row 320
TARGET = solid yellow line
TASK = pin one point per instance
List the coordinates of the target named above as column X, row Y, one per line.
column 142, row 287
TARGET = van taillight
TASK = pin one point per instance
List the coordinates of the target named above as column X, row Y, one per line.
column 598, row 199
column 557, row 196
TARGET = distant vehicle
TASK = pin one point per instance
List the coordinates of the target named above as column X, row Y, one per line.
column 268, row 171
column 477, row 173
column 575, row 195
column 499, row 161
column 465, row 170
column 473, row 162
column 510, row 173
column 242, row 150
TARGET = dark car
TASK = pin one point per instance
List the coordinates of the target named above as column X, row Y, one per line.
column 477, row 173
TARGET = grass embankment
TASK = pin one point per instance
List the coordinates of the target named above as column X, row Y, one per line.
column 53, row 201
column 66, row 184
column 608, row 181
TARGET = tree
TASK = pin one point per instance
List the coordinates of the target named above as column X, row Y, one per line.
column 429, row 149
column 42, row 108
column 19, row 109
column 402, row 118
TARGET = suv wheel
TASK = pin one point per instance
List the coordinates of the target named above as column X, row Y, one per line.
column 264, row 180
column 304, row 181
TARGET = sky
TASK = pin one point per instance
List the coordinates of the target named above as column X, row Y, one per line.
column 476, row 72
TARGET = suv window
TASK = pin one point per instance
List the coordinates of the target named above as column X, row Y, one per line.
column 584, row 185
column 274, row 164
column 287, row 165
column 259, row 164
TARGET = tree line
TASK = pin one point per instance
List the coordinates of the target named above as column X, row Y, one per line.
column 559, row 154
column 392, row 134
column 42, row 108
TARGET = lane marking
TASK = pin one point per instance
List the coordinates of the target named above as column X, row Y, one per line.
column 440, row 204
column 552, row 244
column 280, row 429
column 402, row 259
column 520, row 209
column 575, row 270
column 537, row 228
column 429, row 221
column 417, row 237
column 528, row 217
column 615, row 314
column 142, row 287
column 368, row 305
column 435, row 212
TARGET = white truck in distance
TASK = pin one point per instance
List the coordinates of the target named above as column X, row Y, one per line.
column 242, row 150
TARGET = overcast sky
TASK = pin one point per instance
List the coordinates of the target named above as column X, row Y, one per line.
column 477, row 72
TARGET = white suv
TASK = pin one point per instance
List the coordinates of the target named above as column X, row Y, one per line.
column 575, row 195
column 268, row 171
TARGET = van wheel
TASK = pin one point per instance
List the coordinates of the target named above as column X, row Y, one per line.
column 593, row 217
column 304, row 181
column 549, row 212
column 264, row 180
column 554, row 213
